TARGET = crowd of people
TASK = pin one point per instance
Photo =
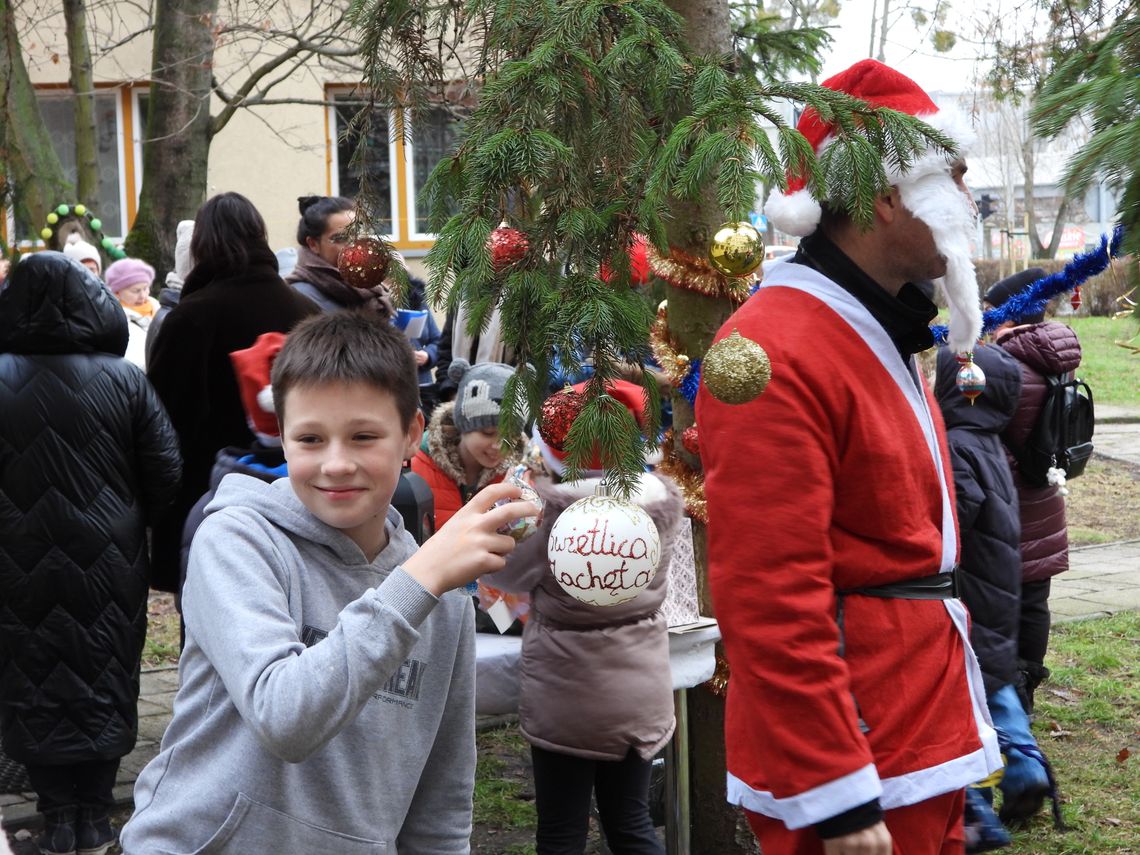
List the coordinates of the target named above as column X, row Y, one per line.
column 238, row 442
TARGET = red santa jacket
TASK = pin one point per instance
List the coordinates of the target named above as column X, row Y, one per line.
column 835, row 477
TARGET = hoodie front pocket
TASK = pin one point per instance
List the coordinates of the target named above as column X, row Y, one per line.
column 254, row 827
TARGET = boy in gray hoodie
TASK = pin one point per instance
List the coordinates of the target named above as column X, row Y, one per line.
column 327, row 684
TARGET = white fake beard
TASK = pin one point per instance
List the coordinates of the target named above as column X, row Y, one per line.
column 946, row 210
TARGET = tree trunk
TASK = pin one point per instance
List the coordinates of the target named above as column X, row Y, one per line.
column 1028, row 172
column 693, row 321
column 177, row 145
column 31, row 165
column 83, row 88
column 883, row 27
column 1028, row 175
column 1058, row 229
column 874, row 21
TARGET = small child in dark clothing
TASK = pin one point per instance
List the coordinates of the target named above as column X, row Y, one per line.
column 990, row 558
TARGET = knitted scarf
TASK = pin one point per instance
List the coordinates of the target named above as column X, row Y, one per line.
column 146, row 309
column 326, row 278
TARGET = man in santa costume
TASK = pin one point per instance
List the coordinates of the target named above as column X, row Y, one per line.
column 855, row 712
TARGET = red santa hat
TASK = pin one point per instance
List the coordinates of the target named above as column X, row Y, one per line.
column 629, row 394
column 251, row 367
column 796, row 211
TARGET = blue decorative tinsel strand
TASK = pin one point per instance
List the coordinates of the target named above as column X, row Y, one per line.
column 1029, row 301
column 1032, row 299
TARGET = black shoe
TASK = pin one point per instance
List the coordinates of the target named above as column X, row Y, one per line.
column 93, row 832
column 58, row 837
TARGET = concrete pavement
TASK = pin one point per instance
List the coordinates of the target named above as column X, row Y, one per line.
column 1117, row 433
column 1102, row 580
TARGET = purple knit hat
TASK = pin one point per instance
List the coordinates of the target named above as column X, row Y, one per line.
column 127, row 272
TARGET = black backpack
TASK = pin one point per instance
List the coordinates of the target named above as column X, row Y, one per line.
column 1062, row 436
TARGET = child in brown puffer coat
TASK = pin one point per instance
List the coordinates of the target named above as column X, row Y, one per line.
column 595, row 692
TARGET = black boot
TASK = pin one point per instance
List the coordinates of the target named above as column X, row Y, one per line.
column 58, row 837
column 93, row 832
column 1030, row 676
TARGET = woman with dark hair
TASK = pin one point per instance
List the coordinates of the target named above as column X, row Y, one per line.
column 232, row 295
column 325, row 229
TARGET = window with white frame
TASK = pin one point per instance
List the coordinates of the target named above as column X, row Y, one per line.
column 369, row 167
column 435, row 135
column 58, row 111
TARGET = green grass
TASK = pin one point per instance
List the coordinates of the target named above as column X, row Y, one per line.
column 1087, row 719
column 1112, row 371
column 499, row 791
column 1080, row 536
column 163, row 643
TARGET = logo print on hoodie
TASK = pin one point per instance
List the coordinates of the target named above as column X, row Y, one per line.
column 405, row 683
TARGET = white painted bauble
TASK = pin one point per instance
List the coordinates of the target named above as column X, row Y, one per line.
column 604, row 551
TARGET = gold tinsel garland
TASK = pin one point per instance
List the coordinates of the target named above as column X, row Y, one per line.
column 685, row 271
column 682, row 270
column 690, row 482
column 718, row 682
column 674, row 364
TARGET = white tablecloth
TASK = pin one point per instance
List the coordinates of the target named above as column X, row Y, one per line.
column 691, row 660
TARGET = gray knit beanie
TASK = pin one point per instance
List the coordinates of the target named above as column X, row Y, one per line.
column 479, row 393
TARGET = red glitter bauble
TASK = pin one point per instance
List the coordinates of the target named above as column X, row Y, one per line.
column 364, row 263
column 690, row 440
column 638, row 263
column 507, row 246
column 558, row 413
column 1075, row 300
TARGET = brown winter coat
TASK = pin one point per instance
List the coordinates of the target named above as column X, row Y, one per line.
column 594, row 680
column 1042, row 349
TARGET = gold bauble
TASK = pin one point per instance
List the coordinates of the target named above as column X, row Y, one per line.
column 736, row 369
column 737, row 249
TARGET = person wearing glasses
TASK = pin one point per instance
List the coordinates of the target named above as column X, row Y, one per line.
column 324, row 230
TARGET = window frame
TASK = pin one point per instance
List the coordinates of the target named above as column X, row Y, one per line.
column 125, row 121
column 332, row 139
column 414, row 190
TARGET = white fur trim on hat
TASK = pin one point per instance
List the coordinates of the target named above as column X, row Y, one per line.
column 265, row 399
column 795, row 213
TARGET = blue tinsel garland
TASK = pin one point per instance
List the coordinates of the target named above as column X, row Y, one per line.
column 1030, row 300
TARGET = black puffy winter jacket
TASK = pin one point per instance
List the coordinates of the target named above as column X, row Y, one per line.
column 988, row 523
column 87, row 456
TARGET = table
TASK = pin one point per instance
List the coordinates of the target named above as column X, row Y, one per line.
column 691, row 661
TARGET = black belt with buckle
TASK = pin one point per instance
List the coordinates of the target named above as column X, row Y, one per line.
column 940, row 586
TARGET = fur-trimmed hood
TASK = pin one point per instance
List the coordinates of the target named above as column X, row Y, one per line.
column 441, row 442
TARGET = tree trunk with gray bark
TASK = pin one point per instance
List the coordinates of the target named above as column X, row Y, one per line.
column 176, row 148
column 27, row 159
column 693, row 321
column 82, row 82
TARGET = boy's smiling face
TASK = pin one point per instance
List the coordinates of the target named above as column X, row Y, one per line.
column 345, row 447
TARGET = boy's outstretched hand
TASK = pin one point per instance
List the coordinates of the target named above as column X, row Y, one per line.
column 469, row 544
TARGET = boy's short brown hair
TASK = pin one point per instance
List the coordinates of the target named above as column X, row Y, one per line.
column 348, row 347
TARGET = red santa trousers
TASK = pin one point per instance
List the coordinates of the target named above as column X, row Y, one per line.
column 932, row 827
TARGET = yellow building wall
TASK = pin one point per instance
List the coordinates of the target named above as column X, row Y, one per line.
column 271, row 154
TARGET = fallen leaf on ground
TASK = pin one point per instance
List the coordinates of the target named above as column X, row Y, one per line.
column 1123, row 755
